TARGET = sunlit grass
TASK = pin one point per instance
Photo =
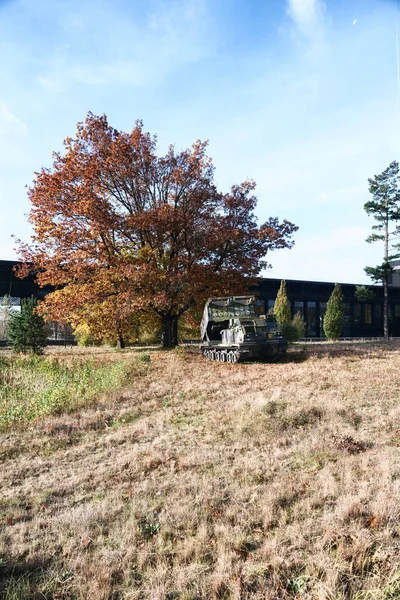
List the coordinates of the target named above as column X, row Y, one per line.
column 33, row 386
column 206, row 481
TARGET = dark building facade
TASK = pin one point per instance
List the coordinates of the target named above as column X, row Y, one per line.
column 18, row 289
column 11, row 285
column 362, row 319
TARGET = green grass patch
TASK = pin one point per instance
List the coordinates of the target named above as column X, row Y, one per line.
column 33, row 386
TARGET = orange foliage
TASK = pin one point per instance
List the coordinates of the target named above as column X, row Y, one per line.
column 118, row 229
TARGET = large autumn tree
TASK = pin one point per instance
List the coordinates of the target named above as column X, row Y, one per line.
column 119, row 229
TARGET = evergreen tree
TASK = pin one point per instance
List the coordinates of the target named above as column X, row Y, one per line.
column 282, row 307
column 385, row 208
column 334, row 316
column 26, row 331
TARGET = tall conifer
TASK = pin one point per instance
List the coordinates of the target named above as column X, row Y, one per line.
column 282, row 306
column 26, row 331
column 334, row 316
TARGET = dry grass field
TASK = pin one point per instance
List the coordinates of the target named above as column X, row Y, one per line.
column 203, row 480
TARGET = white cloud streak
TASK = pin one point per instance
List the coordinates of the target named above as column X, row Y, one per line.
column 307, row 15
column 10, row 124
column 126, row 50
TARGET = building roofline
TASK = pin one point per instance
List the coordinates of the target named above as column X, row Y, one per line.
column 321, row 282
column 305, row 281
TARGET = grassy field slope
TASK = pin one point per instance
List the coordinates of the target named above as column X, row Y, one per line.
column 212, row 481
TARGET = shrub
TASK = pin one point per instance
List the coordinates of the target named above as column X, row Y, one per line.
column 299, row 324
column 295, row 330
column 289, row 332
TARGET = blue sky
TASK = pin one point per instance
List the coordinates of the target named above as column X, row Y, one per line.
column 299, row 95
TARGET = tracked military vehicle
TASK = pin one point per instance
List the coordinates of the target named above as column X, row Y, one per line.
column 232, row 331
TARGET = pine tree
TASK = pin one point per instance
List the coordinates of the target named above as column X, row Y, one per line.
column 26, row 331
column 334, row 316
column 385, row 208
column 282, row 307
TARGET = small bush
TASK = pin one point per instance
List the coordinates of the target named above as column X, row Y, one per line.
column 289, row 332
column 295, row 330
column 299, row 324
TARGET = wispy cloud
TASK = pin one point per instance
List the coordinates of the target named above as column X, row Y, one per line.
column 10, row 124
column 308, row 15
column 127, row 48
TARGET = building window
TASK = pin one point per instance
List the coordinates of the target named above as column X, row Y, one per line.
column 347, row 320
column 270, row 306
column 357, row 312
column 299, row 307
column 260, row 306
column 397, row 310
column 311, row 319
column 322, row 311
column 368, row 314
column 378, row 312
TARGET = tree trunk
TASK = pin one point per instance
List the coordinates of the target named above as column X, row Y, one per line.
column 169, row 324
column 120, row 338
column 385, row 281
column 385, row 309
